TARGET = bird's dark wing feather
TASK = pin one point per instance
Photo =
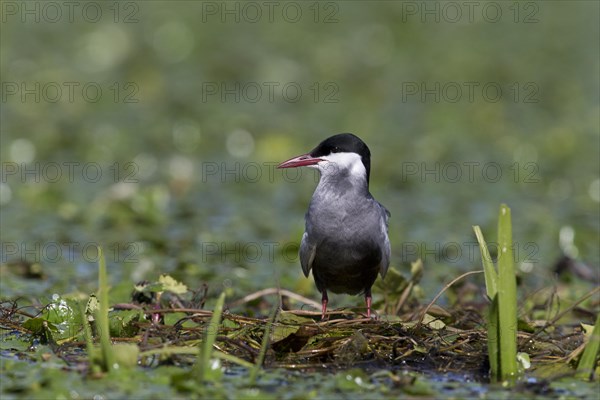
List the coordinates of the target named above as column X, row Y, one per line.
column 385, row 250
column 307, row 254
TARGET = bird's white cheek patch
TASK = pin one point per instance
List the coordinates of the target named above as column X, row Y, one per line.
column 343, row 161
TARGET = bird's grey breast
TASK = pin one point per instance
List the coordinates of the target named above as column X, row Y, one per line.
column 342, row 214
column 346, row 225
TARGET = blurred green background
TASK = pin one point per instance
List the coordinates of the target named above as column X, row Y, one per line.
column 153, row 128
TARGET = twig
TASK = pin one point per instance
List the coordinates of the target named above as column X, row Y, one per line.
column 269, row 291
column 403, row 297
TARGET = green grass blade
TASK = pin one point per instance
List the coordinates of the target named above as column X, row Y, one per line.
column 106, row 350
column 89, row 342
column 168, row 351
column 210, row 338
column 264, row 346
column 491, row 285
column 507, row 297
column 234, row 360
column 493, row 341
column 587, row 362
column 491, row 277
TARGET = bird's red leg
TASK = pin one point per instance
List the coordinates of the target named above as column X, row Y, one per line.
column 368, row 301
column 324, row 301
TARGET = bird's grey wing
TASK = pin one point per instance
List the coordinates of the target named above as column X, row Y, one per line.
column 307, row 254
column 386, row 248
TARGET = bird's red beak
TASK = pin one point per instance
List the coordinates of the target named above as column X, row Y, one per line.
column 300, row 161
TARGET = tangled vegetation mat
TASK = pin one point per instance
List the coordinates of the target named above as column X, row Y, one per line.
column 159, row 344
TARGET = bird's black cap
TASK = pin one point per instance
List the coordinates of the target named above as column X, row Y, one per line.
column 345, row 143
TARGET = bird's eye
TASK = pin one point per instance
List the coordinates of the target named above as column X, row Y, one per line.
column 335, row 150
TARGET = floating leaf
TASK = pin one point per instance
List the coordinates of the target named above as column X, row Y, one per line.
column 433, row 322
column 171, row 285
